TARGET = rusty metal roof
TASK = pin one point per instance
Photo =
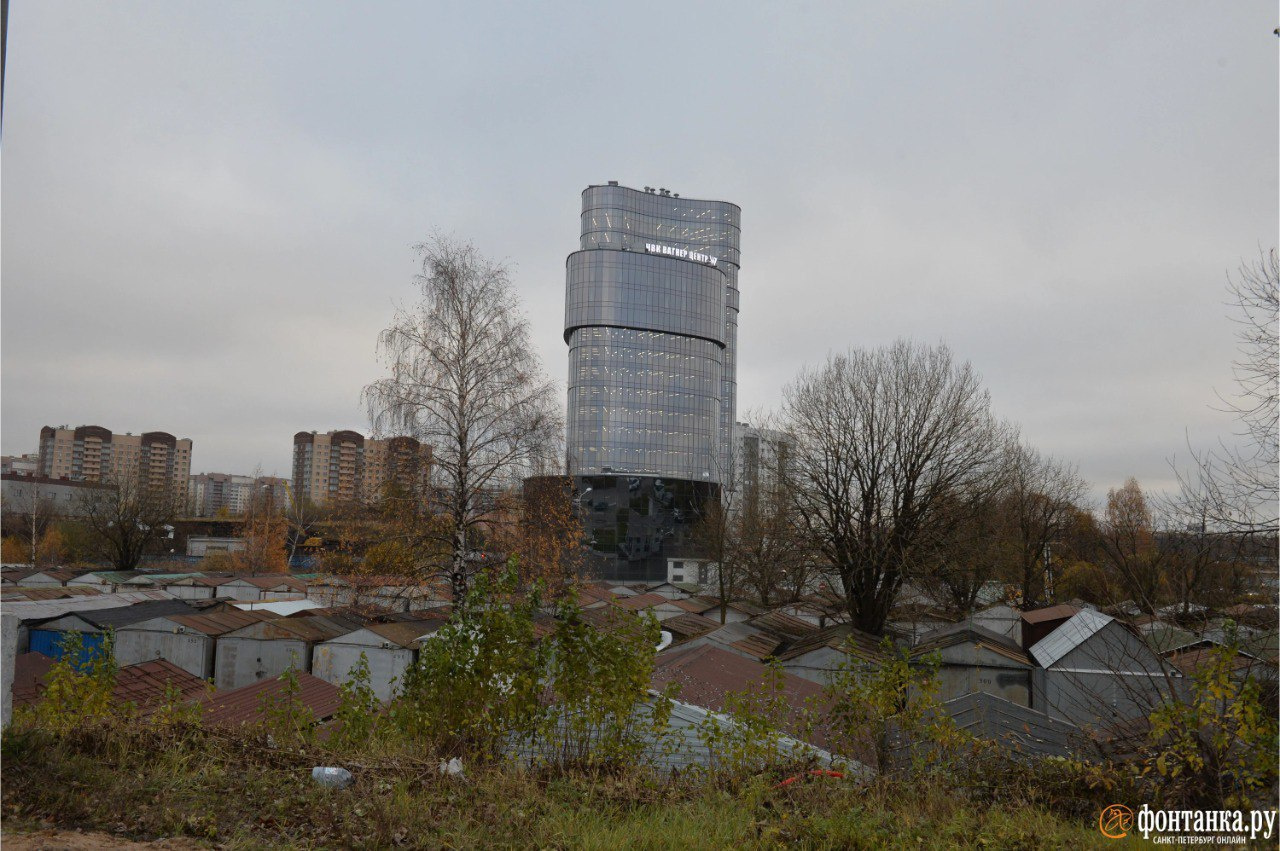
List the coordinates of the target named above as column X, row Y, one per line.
column 47, row 592
column 362, row 614
column 784, row 624
column 641, row 601
column 146, row 684
column 755, row 642
column 243, row 705
column 29, row 670
column 691, row 605
column 220, row 622
column 406, row 633
column 311, row 629
column 689, row 626
column 707, row 674
column 1062, row 611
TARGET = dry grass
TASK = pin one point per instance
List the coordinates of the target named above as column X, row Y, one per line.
column 230, row 791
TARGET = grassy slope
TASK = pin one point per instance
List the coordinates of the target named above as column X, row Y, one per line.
column 234, row 794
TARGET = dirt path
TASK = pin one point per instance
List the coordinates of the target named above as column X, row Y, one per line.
column 74, row 840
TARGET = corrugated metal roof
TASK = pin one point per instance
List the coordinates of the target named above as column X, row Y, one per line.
column 48, row 592
column 42, row 610
column 294, row 629
column 642, row 601
column 243, row 705
column 1080, row 628
column 689, row 626
column 865, row 645
column 784, row 624
column 752, row 640
column 1017, row 727
column 219, row 622
column 146, row 684
column 693, row 606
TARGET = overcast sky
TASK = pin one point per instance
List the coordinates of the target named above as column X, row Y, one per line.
column 209, row 208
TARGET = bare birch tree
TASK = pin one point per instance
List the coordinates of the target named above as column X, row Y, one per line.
column 465, row 380
column 882, row 438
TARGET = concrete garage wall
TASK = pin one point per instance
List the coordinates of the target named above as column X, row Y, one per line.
column 10, row 624
column 160, row 639
column 242, row 661
column 332, row 662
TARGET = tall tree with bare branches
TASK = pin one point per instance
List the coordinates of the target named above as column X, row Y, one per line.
column 464, row 379
column 1234, row 488
column 130, row 516
column 1044, row 495
column 883, row 439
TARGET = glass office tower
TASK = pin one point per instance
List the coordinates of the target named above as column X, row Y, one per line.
column 651, row 322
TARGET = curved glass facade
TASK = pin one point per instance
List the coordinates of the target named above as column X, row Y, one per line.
column 651, row 321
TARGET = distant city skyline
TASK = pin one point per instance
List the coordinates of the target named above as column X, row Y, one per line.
column 209, row 219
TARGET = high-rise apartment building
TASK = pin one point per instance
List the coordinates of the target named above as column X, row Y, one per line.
column 94, row 454
column 651, row 318
column 344, row 466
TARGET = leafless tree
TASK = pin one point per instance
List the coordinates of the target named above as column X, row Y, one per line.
column 130, row 516
column 1041, row 502
column 713, row 537
column 1237, row 485
column 882, row 439
column 979, row 546
column 773, row 550
column 30, row 524
column 465, row 379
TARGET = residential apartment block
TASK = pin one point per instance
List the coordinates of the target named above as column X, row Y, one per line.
column 91, row 453
column 23, row 465
column 211, row 494
column 344, row 466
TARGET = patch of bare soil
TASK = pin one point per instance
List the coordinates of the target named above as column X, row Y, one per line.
column 74, row 840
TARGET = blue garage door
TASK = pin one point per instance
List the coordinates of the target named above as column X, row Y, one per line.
column 49, row 642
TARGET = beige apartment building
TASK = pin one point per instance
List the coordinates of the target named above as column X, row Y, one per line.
column 344, row 466
column 91, row 453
